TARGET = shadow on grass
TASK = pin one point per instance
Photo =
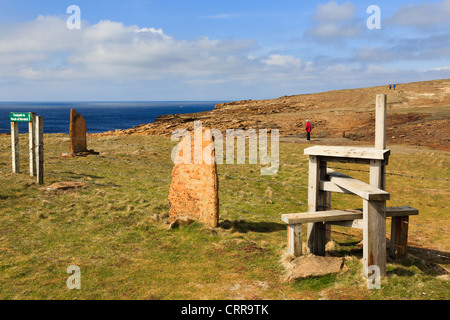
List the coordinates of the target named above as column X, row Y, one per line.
column 243, row 226
column 427, row 260
column 75, row 175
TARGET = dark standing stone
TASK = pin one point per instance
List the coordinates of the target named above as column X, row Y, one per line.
column 78, row 129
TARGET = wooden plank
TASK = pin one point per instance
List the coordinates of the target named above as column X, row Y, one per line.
column 362, row 189
column 352, row 160
column 15, row 147
column 295, row 239
column 345, row 160
column 347, row 152
column 321, row 216
column 394, row 212
column 401, row 211
column 355, row 224
column 332, row 187
column 331, row 216
column 374, row 236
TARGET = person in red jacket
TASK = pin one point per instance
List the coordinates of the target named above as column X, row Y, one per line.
column 308, row 130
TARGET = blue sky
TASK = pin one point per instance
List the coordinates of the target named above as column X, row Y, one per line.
column 215, row 50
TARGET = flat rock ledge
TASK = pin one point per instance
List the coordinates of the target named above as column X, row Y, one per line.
column 312, row 266
column 66, row 186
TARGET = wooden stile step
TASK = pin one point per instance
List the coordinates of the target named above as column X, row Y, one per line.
column 349, row 218
column 354, row 186
column 342, row 215
column 348, row 152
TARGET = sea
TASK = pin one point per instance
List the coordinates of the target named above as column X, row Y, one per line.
column 99, row 116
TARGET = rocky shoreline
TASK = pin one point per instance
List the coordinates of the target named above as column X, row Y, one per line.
column 418, row 114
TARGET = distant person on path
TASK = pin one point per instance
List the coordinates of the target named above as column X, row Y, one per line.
column 390, row 87
column 394, row 86
column 308, row 130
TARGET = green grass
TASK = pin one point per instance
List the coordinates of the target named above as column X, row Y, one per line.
column 114, row 229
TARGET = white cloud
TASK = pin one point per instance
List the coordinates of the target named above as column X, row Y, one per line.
column 374, row 55
column 335, row 31
column 335, row 22
column 42, row 59
column 425, row 14
column 283, row 61
column 441, row 69
column 332, row 12
column 108, row 50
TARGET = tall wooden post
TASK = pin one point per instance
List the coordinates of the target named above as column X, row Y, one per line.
column 317, row 201
column 32, row 133
column 15, row 147
column 374, row 212
column 39, row 146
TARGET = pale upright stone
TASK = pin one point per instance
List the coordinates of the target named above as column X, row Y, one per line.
column 194, row 189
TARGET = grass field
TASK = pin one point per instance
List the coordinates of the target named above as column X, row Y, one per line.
column 115, row 230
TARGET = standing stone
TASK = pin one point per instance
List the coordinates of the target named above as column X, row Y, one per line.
column 194, row 189
column 78, row 141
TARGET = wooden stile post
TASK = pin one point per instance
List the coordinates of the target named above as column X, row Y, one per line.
column 32, row 133
column 295, row 240
column 374, row 217
column 15, row 147
column 399, row 236
column 317, row 201
column 374, row 235
column 380, row 122
column 39, row 146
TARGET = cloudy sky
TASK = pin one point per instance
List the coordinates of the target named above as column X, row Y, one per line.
column 215, row 50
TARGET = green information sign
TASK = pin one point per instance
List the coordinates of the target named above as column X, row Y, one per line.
column 20, row 116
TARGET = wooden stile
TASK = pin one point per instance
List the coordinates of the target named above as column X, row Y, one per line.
column 371, row 218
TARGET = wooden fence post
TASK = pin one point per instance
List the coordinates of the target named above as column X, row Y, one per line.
column 317, row 201
column 374, row 212
column 39, row 146
column 32, row 133
column 15, row 147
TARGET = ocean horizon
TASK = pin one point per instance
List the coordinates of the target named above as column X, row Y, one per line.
column 100, row 116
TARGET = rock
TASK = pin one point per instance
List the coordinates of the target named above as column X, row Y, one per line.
column 314, row 266
column 66, row 186
column 193, row 192
column 67, row 155
column 78, row 141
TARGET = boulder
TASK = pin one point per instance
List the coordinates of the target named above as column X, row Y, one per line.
column 313, row 266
